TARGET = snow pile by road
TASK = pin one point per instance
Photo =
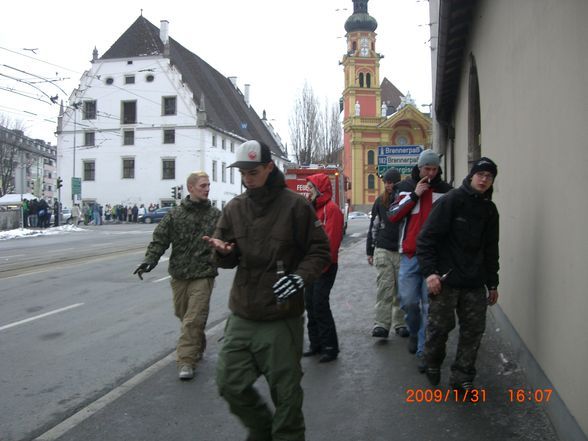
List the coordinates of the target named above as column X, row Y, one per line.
column 30, row 232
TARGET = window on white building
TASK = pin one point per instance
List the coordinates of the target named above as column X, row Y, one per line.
column 232, row 175
column 214, row 178
column 169, row 136
column 214, row 140
column 128, row 166
column 224, row 172
column 89, row 170
column 128, row 112
column 232, row 147
column 89, row 111
column 128, row 137
column 89, row 138
column 168, row 105
column 224, row 143
column 168, row 169
column 129, row 79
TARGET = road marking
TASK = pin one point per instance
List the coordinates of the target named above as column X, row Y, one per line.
column 13, row 255
column 162, row 279
column 56, row 311
column 100, row 403
column 101, row 244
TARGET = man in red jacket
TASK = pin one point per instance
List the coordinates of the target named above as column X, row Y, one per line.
column 412, row 206
column 322, row 332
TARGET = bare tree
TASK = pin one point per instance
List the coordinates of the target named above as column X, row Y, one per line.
column 316, row 135
column 8, row 156
column 304, row 124
column 331, row 137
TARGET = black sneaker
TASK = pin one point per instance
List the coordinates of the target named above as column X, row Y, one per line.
column 462, row 386
column 401, row 331
column 413, row 342
column 380, row 332
column 434, row 376
column 310, row 352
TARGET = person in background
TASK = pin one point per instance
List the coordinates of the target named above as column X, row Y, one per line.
column 75, row 214
column 322, row 331
column 190, row 267
column 416, row 195
column 56, row 212
column 273, row 237
column 382, row 252
column 457, row 250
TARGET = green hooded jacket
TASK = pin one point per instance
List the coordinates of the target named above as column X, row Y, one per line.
column 183, row 228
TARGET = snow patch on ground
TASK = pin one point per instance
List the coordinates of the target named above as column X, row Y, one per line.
column 31, row 232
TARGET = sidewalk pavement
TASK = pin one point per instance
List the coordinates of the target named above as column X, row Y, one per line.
column 362, row 396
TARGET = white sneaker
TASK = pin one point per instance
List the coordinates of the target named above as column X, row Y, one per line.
column 186, row 372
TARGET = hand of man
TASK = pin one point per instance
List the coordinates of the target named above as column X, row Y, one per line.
column 492, row 296
column 371, row 260
column 434, row 284
column 422, row 186
column 287, row 286
column 144, row 268
column 220, row 246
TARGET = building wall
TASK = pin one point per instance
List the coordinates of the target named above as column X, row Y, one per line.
column 193, row 148
column 531, row 61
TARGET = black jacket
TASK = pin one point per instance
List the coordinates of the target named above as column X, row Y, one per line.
column 461, row 235
column 382, row 233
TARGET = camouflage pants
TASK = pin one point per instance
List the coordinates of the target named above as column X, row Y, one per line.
column 388, row 312
column 470, row 306
column 191, row 306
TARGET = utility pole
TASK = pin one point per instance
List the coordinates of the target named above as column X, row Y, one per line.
column 75, row 110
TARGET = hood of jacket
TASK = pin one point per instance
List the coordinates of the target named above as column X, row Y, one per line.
column 323, row 185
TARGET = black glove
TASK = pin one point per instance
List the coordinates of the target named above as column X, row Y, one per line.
column 144, row 268
column 287, row 286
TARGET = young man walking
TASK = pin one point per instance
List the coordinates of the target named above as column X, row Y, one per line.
column 190, row 267
column 413, row 205
column 458, row 254
column 382, row 252
column 273, row 237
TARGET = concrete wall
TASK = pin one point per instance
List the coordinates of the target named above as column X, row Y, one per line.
column 532, row 60
column 9, row 219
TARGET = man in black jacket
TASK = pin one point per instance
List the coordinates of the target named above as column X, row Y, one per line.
column 382, row 251
column 457, row 251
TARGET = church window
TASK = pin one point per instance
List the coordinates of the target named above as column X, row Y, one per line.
column 368, row 80
column 371, row 182
column 361, row 79
column 370, row 157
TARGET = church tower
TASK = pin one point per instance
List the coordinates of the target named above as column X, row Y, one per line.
column 362, row 103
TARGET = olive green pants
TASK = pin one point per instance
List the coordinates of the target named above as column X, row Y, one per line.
column 191, row 306
column 272, row 349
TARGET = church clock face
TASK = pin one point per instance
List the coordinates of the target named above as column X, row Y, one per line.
column 364, row 47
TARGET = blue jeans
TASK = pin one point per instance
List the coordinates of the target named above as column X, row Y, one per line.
column 414, row 298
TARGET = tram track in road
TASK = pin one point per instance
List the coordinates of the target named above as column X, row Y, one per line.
column 44, row 263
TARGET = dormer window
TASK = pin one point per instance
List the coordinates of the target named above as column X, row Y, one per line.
column 129, row 79
column 109, row 81
column 130, row 62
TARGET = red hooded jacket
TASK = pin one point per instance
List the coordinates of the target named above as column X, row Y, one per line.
column 328, row 213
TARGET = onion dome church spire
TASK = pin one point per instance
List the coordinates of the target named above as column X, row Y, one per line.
column 360, row 20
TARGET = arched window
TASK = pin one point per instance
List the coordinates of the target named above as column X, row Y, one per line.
column 371, row 157
column 361, row 79
column 368, row 80
column 371, row 182
column 474, row 124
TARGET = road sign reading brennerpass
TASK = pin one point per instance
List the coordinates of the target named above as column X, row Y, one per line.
column 401, row 157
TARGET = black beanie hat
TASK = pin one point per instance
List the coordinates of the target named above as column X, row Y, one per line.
column 392, row 175
column 484, row 164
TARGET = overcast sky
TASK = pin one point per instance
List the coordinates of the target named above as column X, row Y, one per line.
column 273, row 45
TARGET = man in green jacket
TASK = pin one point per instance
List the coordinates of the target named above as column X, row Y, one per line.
column 273, row 237
column 190, row 266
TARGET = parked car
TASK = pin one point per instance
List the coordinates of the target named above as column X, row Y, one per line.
column 154, row 216
column 65, row 216
column 358, row 215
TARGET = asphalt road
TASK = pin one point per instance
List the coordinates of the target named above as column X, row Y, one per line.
column 75, row 323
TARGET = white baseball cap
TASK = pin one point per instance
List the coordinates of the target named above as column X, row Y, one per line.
column 250, row 154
